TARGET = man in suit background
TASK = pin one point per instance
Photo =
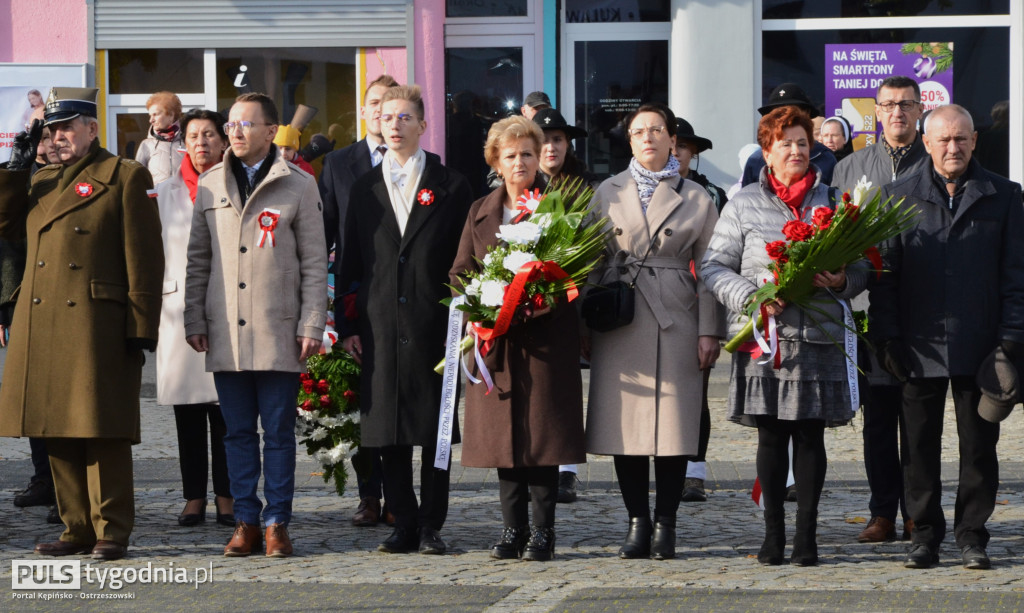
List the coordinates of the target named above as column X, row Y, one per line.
column 401, row 235
column 340, row 171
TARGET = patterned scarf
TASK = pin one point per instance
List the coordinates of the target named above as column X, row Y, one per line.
column 896, row 153
column 647, row 180
column 169, row 133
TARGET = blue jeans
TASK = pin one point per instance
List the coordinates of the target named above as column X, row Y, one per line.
column 268, row 396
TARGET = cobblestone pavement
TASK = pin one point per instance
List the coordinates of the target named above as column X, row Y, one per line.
column 338, row 567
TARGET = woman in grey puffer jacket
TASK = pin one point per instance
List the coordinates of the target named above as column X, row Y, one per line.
column 810, row 389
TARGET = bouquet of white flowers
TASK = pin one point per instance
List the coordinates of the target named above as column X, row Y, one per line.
column 543, row 256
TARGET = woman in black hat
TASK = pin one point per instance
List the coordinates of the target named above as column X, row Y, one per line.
column 689, row 146
column 558, row 161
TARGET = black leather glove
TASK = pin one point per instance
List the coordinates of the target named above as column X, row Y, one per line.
column 23, row 150
column 138, row 344
column 318, row 145
column 892, row 357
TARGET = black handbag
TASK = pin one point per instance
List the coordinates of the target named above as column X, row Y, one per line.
column 611, row 306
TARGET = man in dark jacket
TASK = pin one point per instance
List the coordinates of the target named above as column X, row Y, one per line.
column 401, row 236
column 341, row 169
column 898, row 153
column 953, row 292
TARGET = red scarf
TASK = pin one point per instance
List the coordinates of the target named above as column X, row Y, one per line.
column 191, row 177
column 793, row 195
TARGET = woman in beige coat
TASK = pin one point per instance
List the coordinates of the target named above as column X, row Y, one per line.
column 645, row 378
column 181, row 377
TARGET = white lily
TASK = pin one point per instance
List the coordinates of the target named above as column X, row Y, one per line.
column 860, row 191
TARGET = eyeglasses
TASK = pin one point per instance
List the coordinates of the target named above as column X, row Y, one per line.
column 230, row 126
column 401, row 118
column 653, row 131
column 905, row 105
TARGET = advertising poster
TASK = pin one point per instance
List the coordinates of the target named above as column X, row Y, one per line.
column 25, row 86
column 853, row 72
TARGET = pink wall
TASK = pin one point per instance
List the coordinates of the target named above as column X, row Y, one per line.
column 44, row 31
column 429, row 64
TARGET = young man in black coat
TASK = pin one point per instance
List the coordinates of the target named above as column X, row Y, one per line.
column 341, row 169
column 401, row 236
column 951, row 294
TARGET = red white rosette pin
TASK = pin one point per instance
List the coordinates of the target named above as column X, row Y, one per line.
column 83, row 189
column 268, row 222
column 527, row 203
column 425, row 197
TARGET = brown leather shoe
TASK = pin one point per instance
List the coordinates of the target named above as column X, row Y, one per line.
column 368, row 512
column 62, row 548
column 278, row 543
column 908, row 529
column 109, row 550
column 878, row 530
column 244, row 541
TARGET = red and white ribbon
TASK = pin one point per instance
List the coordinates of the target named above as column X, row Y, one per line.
column 268, row 222
column 770, row 343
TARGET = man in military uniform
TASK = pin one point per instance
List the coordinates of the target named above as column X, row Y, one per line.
column 88, row 306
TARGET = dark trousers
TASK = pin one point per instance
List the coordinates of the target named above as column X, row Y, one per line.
column 432, row 510
column 40, row 462
column 369, row 473
column 191, row 420
column 924, row 402
column 882, row 404
column 633, row 473
column 809, row 461
column 542, row 484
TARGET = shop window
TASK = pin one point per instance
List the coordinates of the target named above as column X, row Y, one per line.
column 317, row 77
column 144, row 71
column 613, row 79
column 981, row 78
column 486, row 8
column 485, row 84
column 805, row 9
column 616, row 11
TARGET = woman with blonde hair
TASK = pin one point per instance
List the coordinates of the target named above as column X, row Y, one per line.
column 532, row 421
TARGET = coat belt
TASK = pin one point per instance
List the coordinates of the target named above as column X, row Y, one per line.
column 647, row 288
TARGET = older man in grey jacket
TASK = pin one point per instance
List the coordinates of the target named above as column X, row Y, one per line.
column 952, row 292
column 255, row 294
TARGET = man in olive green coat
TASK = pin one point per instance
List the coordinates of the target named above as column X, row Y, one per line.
column 87, row 307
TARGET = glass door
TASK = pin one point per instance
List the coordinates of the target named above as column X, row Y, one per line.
column 486, row 79
column 610, row 70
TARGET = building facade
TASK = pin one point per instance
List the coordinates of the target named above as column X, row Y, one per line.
column 712, row 61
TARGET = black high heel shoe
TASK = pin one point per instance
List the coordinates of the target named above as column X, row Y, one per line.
column 224, row 519
column 192, row 519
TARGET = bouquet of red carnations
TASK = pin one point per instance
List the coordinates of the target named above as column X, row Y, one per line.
column 833, row 239
column 544, row 255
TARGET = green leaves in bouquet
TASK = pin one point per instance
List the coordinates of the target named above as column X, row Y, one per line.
column 334, row 409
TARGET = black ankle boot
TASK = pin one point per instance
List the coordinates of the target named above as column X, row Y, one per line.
column 638, row 539
column 541, row 546
column 773, row 550
column 510, row 545
column 663, row 545
column 805, row 540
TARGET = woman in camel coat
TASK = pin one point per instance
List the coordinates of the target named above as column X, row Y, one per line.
column 645, row 378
